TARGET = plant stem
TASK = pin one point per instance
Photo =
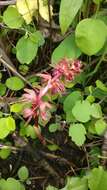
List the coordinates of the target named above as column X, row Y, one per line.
column 97, row 10
column 97, row 67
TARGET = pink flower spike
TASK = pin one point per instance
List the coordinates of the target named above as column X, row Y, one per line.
column 44, row 76
column 76, row 66
column 44, row 90
column 30, row 95
column 57, row 86
column 67, row 69
column 27, row 112
column 61, row 68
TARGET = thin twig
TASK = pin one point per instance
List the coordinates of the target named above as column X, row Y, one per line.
column 14, row 71
column 3, row 3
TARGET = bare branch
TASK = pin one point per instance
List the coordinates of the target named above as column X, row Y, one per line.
column 3, row 3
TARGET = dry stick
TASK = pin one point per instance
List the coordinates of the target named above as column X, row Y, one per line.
column 50, row 23
column 14, row 71
column 12, row 2
column 4, row 55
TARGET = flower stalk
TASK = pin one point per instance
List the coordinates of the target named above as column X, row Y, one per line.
column 64, row 71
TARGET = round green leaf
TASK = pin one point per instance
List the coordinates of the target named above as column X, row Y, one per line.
column 71, row 99
column 23, row 173
column 2, row 89
column 2, row 184
column 96, row 111
column 97, row 179
column 26, row 50
column 5, row 152
column 82, row 111
column 100, row 126
column 22, row 187
column 12, row 184
column 37, row 38
column 30, row 132
column 76, row 183
column 77, row 133
column 91, row 127
column 69, row 103
column 14, row 83
column 53, row 127
column 3, row 128
column 6, row 126
column 90, row 98
column 12, row 18
column 90, row 35
column 67, row 48
column 17, row 107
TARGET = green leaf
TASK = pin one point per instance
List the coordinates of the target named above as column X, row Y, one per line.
column 91, row 127
column 5, row 152
column 97, row 1
column 26, row 50
column 7, row 125
column 90, row 98
column 17, row 107
column 53, row 147
column 37, row 38
column 73, row 183
column 30, row 132
column 67, row 48
column 53, row 127
column 51, row 188
column 23, row 173
column 22, row 187
column 101, row 86
column 77, row 133
column 68, row 11
column 76, row 183
column 70, row 117
column 12, row 184
column 100, row 126
column 2, row 89
column 69, row 103
column 100, row 94
column 87, row 30
column 10, row 123
column 82, row 111
column 14, row 83
column 70, row 100
column 12, row 18
column 96, row 111
column 23, row 69
column 2, row 184
column 97, row 180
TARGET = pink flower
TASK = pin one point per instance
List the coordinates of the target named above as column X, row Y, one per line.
column 28, row 112
column 76, row 66
column 30, row 95
column 38, row 107
column 53, row 83
column 61, row 68
column 67, row 68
